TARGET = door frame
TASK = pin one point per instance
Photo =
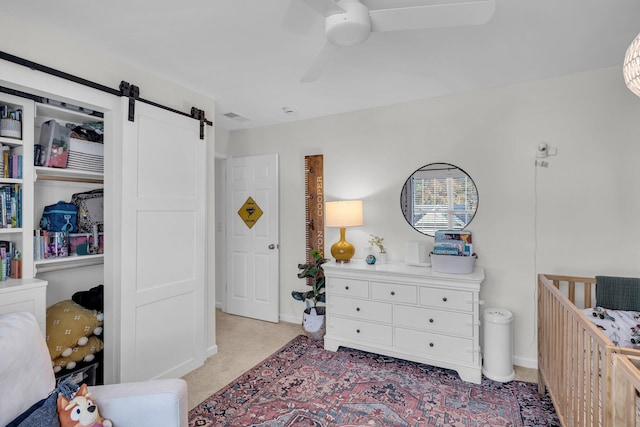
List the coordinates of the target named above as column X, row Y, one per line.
column 220, row 231
column 49, row 86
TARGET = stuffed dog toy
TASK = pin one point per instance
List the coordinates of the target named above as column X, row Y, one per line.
column 80, row 411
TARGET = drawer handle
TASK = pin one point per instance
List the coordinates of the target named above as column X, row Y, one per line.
column 444, row 299
column 392, row 293
column 346, row 288
column 357, row 308
column 431, row 344
column 357, row 331
column 430, row 320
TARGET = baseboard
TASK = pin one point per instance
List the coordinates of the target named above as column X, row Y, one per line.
column 525, row 362
column 210, row 351
column 291, row 319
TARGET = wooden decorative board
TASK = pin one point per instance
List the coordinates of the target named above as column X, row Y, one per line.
column 314, row 203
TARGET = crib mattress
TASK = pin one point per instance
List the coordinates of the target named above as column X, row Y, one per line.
column 622, row 327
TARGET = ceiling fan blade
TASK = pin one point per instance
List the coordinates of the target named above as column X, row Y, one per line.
column 324, row 7
column 433, row 16
column 317, row 66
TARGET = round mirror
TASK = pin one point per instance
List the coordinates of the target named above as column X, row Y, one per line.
column 439, row 196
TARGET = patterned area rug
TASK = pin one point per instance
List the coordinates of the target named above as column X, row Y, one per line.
column 304, row 385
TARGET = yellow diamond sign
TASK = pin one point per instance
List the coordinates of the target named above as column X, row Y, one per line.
column 250, row 212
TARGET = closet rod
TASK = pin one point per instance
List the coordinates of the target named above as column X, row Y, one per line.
column 117, row 92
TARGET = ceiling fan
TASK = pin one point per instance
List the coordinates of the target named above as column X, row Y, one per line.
column 350, row 22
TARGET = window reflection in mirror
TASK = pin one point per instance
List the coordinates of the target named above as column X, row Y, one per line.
column 439, row 196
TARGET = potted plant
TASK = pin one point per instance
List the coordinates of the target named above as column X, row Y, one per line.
column 313, row 316
column 377, row 241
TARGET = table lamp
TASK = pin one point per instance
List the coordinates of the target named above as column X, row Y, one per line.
column 345, row 213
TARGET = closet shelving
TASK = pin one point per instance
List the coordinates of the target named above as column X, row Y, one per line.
column 26, row 293
column 20, row 236
column 75, row 175
column 44, row 185
column 60, row 184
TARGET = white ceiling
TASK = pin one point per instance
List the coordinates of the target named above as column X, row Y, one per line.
column 250, row 54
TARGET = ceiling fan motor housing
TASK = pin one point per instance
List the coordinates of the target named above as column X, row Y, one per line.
column 351, row 27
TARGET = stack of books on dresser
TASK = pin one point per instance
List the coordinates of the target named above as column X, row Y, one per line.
column 453, row 242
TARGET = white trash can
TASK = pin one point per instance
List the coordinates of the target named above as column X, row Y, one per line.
column 498, row 345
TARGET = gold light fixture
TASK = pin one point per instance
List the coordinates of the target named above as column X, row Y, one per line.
column 345, row 213
column 631, row 66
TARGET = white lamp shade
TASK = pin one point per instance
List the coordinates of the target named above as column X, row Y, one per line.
column 631, row 66
column 344, row 213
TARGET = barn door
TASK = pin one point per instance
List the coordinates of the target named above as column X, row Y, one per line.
column 163, row 245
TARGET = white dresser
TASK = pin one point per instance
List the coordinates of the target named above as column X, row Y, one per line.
column 406, row 312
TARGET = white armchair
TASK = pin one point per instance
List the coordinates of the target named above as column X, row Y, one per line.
column 26, row 376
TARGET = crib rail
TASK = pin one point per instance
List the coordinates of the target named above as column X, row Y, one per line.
column 625, row 383
column 574, row 357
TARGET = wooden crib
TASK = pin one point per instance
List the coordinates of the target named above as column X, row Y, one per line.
column 575, row 359
column 625, row 384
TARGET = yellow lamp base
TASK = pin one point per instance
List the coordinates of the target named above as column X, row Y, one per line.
column 342, row 251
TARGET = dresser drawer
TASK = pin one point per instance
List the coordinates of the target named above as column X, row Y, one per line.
column 351, row 287
column 356, row 330
column 430, row 344
column 361, row 309
column 394, row 292
column 428, row 319
column 446, row 298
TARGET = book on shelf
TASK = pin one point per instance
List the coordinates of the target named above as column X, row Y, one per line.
column 37, row 155
column 40, row 244
column 10, row 206
column 11, row 162
column 7, row 254
column 37, row 250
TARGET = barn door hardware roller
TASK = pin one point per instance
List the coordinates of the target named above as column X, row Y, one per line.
column 200, row 115
column 132, row 92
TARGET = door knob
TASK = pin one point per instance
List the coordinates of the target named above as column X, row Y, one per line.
column 272, row 246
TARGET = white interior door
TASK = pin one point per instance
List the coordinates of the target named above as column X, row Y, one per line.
column 253, row 237
column 163, row 245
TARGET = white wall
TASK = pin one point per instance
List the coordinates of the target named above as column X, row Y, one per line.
column 578, row 216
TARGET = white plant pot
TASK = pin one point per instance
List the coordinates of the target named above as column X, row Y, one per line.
column 313, row 322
